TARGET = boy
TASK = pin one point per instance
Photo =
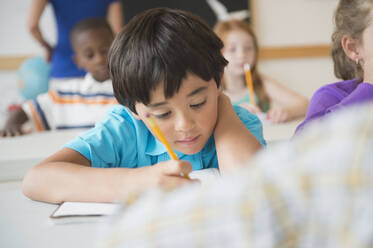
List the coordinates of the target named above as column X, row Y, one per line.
column 166, row 63
column 76, row 103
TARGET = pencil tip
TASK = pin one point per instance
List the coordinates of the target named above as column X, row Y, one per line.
column 246, row 67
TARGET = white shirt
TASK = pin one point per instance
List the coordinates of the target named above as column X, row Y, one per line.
column 76, row 103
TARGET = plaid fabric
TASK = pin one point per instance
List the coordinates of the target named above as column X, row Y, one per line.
column 315, row 191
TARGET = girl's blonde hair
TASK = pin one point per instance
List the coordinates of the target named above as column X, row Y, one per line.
column 350, row 18
column 222, row 29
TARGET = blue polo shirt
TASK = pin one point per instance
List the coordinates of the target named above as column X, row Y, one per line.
column 120, row 140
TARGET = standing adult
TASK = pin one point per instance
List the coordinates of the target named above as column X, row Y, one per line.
column 210, row 11
column 67, row 13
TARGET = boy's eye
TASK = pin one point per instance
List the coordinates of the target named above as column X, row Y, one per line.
column 164, row 115
column 89, row 55
column 198, row 105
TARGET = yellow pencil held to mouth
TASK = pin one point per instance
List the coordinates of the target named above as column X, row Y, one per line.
column 161, row 138
column 249, row 83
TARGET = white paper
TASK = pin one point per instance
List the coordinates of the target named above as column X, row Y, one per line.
column 206, row 175
column 85, row 208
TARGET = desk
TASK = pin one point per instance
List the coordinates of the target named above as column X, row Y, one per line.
column 25, row 223
column 19, row 154
column 280, row 132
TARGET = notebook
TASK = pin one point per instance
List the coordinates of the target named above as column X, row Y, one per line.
column 82, row 212
column 206, row 175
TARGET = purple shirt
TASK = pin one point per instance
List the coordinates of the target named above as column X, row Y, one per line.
column 332, row 97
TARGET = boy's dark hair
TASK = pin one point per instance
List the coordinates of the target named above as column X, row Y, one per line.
column 162, row 45
column 89, row 24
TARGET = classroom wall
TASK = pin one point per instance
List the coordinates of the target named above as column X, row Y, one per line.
column 277, row 23
column 293, row 22
column 296, row 23
column 15, row 39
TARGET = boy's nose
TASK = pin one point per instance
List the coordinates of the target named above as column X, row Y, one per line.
column 184, row 123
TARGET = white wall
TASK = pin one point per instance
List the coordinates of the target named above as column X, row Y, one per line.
column 14, row 37
column 277, row 23
column 296, row 23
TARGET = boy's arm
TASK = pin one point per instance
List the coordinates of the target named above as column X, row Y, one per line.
column 13, row 126
column 36, row 10
column 235, row 144
column 68, row 176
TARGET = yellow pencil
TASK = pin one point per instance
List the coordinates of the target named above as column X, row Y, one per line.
column 161, row 137
column 249, row 83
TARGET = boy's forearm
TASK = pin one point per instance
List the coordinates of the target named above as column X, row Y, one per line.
column 61, row 181
column 235, row 144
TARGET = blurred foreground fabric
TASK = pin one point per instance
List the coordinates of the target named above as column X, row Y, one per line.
column 316, row 191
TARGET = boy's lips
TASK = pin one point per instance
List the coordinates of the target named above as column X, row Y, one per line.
column 189, row 140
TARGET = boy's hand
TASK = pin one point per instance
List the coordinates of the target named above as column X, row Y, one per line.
column 13, row 126
column 169, row 174
column 11, row 130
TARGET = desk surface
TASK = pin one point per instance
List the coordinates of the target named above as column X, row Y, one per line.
column 19, row 154
column 35, row 145
column 43, row 144
column 25, row 223
column 280, row 132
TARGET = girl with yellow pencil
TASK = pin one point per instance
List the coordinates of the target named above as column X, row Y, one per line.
column 243, row 84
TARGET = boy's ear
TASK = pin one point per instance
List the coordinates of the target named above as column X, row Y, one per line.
column 351, row 47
